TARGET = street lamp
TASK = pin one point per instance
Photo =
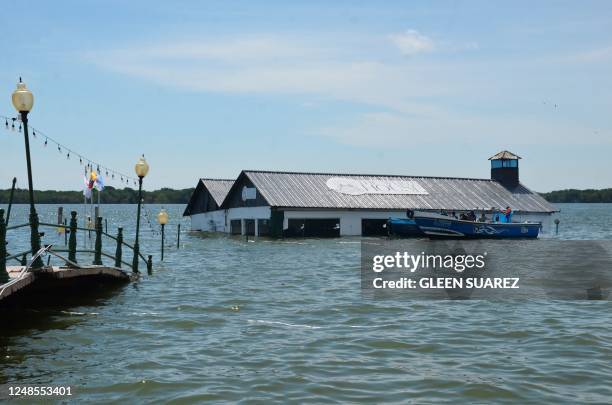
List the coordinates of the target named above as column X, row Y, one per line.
column 162, row 219
column 23, row 100
column 141, row 168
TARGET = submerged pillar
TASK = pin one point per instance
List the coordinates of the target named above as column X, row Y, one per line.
column 98, row 246
column 72, row 240
column 118, row 251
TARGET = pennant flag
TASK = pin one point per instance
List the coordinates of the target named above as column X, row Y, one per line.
column 99, row 183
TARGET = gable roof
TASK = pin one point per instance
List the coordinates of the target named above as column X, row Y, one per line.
column 506, row 155
column 217, row 188
column 311, row 190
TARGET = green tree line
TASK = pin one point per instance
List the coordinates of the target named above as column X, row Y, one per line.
column 127, row 195
column 579, row 196
column 110, row 195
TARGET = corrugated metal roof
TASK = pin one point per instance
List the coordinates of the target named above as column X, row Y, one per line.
column 310, row 190
column 218, row 188
column 504, row 154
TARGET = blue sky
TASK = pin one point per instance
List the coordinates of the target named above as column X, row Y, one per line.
column 205, row 89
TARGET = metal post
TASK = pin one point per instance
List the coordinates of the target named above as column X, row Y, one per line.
column 557, row 226
column 72, row 241
column 150, row 265
column 10, row 204
column 178, row 237
column 162, row 243
column 4, row 276
column 34, row 235
column 105, row 225
column 98, row 246
column 136, row 247
column 118, row 251
column 65, row 232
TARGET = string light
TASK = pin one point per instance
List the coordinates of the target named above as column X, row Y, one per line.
column 63, row 148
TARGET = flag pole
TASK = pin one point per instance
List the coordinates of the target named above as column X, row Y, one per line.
column 85, row 211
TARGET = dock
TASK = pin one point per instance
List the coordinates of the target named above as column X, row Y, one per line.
column 51, row 278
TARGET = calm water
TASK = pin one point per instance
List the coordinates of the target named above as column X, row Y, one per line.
column 303, row 332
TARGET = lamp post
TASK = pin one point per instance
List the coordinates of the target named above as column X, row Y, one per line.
column 23, row 100
column 141, row 168
column 162, row 219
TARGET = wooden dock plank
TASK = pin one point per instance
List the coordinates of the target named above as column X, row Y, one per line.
column 16, row 284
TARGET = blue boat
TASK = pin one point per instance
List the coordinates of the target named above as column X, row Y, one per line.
column 442, row 226
column 403, row 228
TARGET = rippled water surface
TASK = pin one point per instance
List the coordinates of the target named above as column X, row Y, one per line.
column 229, row 319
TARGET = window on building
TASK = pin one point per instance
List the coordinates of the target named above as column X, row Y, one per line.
column 496, row 164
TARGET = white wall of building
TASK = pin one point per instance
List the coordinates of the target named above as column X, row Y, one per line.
column 350, row 221
column 248, row 213
column 212, row 221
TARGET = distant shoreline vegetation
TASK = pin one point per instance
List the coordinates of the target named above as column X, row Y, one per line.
column 579, row 196
column 127, row 195
column 110, row 195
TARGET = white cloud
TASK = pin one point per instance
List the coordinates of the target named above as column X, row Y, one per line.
column 388, row 129
column 415, row 100
column 269, row 64
column 412, row 42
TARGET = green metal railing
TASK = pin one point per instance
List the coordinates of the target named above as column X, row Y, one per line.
column 72, row 249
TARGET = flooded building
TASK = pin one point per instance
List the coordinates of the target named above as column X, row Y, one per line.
column 204, row 205
column 277, row 203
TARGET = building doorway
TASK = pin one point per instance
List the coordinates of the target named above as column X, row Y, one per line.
column 313, row 227
column 235, row 227
column 373, row 227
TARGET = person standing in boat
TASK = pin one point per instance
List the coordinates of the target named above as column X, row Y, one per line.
column 508, row 213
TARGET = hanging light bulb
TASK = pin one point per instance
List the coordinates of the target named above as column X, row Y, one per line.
column 80, row 160
column 13, row 125
column 46, row 141
column 34, row 133
column 59, row 149
column 6, row 123
column 68, row 155
column 19, row 127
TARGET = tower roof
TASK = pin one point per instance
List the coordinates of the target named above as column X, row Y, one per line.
column 504, row 154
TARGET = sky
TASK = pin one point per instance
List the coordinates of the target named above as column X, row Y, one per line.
column 207, row 88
